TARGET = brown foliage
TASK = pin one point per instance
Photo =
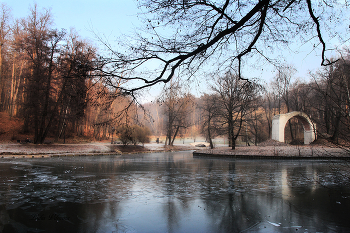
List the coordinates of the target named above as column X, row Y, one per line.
column 10, row 127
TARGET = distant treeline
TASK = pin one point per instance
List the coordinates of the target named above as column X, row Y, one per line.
column 236, row 111
column 49, row 79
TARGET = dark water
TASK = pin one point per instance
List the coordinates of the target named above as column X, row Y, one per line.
column 173, row 192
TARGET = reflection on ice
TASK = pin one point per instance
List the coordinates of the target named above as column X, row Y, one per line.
column 274, row 224
column 172, row 192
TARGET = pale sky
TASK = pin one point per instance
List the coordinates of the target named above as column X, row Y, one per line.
column 112, row 18
column 109, row 17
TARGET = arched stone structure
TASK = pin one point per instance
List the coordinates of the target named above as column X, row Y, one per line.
column 279, row 122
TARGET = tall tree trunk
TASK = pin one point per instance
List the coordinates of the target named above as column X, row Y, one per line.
column 13, row 86
column 169, row 136
column 45, row 111
column 232, row 143
column 176, row 132
column 17, row 100
column 268, row 118
column 48, row 126
column 336, row 127
column 326, row 119
column 209, row 136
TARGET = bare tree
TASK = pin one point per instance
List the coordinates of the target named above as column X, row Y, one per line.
column 210, row 115
column 75, row 62
column 236, row 98
column 176, row 107
column 35, row 43
column 269, row 108
column 184, row 35
column 332, row 86
column 55, row 78
column 283, row 82
column 256, row 123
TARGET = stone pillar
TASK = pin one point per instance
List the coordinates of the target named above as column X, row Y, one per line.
column 309, row 136
column 278, row 128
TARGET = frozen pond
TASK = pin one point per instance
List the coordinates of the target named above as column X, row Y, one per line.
column 173, row 192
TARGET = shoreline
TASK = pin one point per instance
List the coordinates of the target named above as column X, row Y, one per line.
column 278, row 152
column 13, row 150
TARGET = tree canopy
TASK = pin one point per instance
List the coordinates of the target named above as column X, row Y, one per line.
column 186, row 35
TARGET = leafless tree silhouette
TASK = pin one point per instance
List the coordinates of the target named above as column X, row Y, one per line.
column 185, row 35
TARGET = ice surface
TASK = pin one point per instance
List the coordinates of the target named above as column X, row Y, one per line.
column 173, row 192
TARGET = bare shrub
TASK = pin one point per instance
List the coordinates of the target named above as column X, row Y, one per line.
column 133, row 134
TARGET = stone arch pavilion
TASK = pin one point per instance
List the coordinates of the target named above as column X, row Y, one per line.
column 279, row 122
